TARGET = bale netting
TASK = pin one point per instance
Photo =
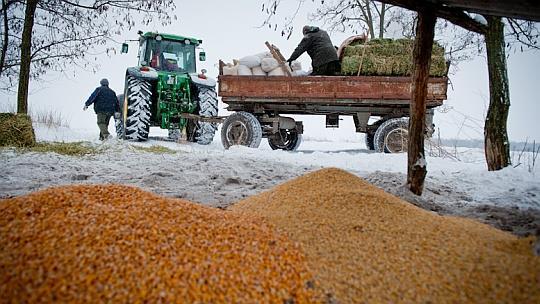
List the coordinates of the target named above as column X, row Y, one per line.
column 119, row 244
column 387, row 57
column 16, row 130
column 367, row 246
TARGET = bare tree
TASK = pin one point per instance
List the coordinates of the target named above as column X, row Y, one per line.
column 358, row 15
column 64, row 33
column 339, row 15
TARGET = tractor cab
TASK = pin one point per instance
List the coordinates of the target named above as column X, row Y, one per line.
column 166, row 54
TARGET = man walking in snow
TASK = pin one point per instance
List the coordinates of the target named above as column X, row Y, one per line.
column 318, row 45
column 105, row 106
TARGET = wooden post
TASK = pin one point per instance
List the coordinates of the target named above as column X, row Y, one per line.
column 425, row 32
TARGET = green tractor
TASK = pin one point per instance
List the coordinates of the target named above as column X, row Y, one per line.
column 166, row 91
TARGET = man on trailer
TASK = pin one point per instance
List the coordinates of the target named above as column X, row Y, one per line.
column 317, row 44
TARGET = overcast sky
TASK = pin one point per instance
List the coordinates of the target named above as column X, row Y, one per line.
column 230, row 29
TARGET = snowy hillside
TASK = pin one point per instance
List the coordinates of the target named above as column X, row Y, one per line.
column 458, row 184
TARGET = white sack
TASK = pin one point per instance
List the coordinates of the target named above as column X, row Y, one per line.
column 276, row 72
column 269, row 64
column 264, row 55
column 258, row 71
column 296, row 65
column 244, row 70
column 300, row 73
column 250, row 61
column 230, row 70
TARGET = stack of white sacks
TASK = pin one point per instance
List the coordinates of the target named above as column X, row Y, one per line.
column 262, row 64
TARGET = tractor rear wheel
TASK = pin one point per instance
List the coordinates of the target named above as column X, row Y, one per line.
column 288, row 140
column 392, row 136
column 241, row 128
column 208, row 107
column 119, row 121
column 136, row 109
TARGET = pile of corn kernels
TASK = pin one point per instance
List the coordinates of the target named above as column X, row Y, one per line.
column 120, row 244
column 367, row 246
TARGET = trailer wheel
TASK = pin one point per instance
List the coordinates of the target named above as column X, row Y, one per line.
column 119, row 121
column 241, row 128
column 392, row 136
column 370, row 134
column 208, row 107
column 136, row 109
column 288, row 140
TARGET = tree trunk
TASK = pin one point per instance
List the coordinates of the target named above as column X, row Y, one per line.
column 26, row 57
column 369, row 19
column 496, row 144
column 381, row 20
column 423, row 44
column 5, row 39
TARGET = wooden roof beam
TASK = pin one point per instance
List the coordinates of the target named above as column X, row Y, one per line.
column 454, row 15
column 519, row 9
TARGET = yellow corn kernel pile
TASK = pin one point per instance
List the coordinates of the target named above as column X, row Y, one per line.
column 367, row 246
column 119, row 244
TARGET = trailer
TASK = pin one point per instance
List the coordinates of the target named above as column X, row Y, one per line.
column 260, row 104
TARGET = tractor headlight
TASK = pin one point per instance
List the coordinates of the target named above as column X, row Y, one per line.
column 170, row 79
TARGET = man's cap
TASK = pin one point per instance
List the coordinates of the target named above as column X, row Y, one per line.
column 309, row 29
column 104, row 82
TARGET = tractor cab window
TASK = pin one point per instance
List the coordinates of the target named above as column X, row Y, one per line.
column 172, row 56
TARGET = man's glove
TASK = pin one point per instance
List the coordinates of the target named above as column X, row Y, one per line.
column 85, row 107
column 289, row 61
column 117, row 115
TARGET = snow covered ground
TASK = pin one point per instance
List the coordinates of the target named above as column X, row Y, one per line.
column 457, row 184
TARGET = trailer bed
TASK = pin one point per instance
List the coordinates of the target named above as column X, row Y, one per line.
column 355, row 91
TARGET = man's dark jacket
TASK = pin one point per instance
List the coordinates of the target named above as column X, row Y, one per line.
column 318, row 45
column 104, row 100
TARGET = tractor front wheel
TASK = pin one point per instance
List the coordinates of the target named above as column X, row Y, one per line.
column 241, row 128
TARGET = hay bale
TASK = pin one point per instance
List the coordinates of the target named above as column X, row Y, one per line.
column 387, row 57
column 367, row 246
column 16, row 130
column 119, row 244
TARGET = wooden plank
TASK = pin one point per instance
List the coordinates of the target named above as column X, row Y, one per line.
column 311, row 101
column 221, row 65
column 279, row 57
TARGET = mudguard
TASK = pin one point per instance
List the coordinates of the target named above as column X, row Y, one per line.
column 151, row 74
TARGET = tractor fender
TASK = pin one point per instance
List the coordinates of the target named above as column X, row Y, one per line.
column 151, row 74
column 208, row 82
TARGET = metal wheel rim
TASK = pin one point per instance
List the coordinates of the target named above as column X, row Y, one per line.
column 396, row 141
column 237, row 133
column 285, row 139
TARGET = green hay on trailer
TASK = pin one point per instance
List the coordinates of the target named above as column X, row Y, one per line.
column 16, row 130
column 387, row 57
